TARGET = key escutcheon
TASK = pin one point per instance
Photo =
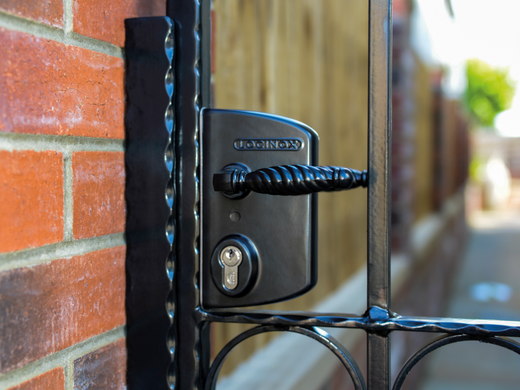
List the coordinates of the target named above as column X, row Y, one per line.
column 234, row 265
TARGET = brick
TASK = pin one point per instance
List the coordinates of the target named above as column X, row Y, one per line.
column 48, row 12
column 51, row 380
column 31, row 210
column 47, row 87
column 104, row 20
column 99, row 193
column 103, row 369
column 51, row 306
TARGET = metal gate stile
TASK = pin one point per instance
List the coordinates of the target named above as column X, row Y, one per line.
column 188, row 337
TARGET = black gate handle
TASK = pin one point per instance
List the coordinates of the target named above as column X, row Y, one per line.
column 236, row 180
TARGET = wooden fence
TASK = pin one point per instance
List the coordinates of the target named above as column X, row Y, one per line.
column 308, row 60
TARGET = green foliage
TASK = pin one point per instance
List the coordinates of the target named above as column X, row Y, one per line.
column 475, row 166
column 489, row 91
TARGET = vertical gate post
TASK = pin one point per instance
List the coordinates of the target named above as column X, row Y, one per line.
column 191, row 344
column 379, row 191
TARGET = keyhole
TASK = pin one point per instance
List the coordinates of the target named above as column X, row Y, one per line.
column 230, row 257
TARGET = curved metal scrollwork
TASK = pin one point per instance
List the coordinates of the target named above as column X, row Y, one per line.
column 446, row 340
column 314, row 333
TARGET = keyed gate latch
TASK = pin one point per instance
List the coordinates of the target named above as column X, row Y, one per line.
column 254, row 248
column 257, row 248
column 257, row 242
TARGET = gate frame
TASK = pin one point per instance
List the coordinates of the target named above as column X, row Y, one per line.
column 188, row 337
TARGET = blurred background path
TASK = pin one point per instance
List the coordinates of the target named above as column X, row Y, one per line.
column 487, row 286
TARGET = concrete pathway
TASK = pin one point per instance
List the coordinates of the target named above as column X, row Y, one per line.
column 487, row 287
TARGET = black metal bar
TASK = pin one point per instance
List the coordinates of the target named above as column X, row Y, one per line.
column 334, row 320
column 379, row 136
column 149, row 86
column 457, row 326
column 378, row 357
column 288, row 318
column 192, row 82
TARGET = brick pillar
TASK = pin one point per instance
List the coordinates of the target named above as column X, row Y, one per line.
column 62, row 178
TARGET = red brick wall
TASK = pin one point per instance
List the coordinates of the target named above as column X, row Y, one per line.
column 429, row 136
column 62, row 180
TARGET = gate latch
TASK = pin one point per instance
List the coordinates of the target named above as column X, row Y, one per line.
column 257, row 248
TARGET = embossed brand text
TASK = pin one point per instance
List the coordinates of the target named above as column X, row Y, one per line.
column 278, row 144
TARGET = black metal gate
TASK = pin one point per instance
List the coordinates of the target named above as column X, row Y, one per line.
column 168, row 84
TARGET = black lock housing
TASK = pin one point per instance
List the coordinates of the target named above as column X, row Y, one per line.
column 283, row 229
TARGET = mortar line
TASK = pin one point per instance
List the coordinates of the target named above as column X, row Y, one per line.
column 39, row 142
column 68, row 16
column 61, row 359
column 16, row 23
column 43, row 254
column 68, row 199
column 68, row 370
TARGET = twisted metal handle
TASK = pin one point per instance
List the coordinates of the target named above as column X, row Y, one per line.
column 235, row 181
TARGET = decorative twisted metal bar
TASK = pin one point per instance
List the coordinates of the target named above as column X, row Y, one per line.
column 287, row 180
column 192, row 20
column 169, row 158
column 314, row 333
column 395, row 323
column 151, row 263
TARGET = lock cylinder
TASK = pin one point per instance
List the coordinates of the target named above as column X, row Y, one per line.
column 230, row 258
column 234, row 265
